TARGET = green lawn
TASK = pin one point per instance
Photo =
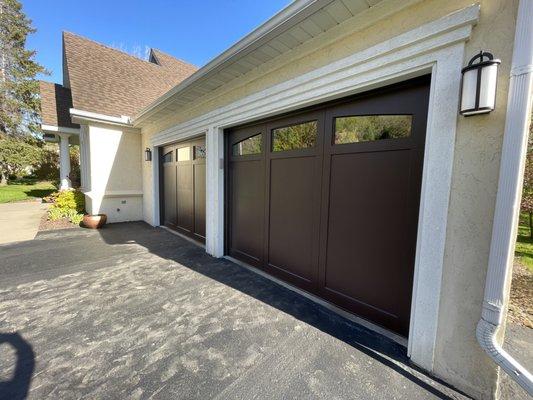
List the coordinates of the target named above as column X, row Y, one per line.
column 524, row 244
column 25, row 190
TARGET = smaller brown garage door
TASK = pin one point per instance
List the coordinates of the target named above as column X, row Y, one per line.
column 183, row 188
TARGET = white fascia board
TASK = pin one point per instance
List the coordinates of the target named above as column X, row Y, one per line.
column 87, row 116
column 282, row 21
column 59, row 129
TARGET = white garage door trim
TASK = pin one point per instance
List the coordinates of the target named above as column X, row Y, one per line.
column 436, row 48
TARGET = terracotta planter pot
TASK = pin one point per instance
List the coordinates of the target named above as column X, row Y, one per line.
column 94, row 221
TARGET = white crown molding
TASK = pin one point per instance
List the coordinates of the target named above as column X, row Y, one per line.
column 341, row 78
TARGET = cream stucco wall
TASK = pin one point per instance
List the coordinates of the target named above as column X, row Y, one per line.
column 458, row 358
column 115, row 172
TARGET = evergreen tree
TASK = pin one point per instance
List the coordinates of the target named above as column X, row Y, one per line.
column 19, row 88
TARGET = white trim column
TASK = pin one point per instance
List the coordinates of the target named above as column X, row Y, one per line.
column 214, row 238
column 64, row 161
column 156, row 190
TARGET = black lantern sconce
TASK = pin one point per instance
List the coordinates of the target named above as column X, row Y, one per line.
column 478, row 91
column 148, row 154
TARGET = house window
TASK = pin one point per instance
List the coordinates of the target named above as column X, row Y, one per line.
column 248, row 146
column 367, row 128
column 293, row 137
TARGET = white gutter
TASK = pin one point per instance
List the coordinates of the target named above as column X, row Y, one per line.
column 507, row 210
column 57, row 129
column 283, row 20
column 80, row 115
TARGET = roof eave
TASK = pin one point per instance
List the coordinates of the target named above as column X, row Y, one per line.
column 283, row 20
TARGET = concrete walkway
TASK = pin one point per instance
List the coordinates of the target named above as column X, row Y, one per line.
column 20, row 221
column 134, row 312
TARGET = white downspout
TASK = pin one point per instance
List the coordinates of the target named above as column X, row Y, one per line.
column 508, row 198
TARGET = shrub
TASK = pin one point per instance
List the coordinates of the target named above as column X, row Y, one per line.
column 66, row 204
column 69, row 200
column 54, row 214
column 74, row 217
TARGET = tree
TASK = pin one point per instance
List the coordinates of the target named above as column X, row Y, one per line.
column 527, row 190
column 16, row 154
column 19, row 89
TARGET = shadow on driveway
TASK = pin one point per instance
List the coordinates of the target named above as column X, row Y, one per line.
column 18, row 386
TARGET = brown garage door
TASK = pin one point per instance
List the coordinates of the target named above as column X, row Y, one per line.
column 328, row 199
column 183, row 188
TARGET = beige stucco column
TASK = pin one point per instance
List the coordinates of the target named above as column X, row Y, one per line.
column 64, row 162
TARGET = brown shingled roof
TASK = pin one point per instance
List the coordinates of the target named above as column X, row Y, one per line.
column 108, row 81
column 56, row 101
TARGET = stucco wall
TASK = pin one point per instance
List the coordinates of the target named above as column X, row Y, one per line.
column 458, row 358
column 116, row 172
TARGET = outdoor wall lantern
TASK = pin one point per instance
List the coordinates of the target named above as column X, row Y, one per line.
column 479, row 84
column 148, row 154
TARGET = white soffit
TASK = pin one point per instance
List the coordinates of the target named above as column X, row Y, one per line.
column 299, row 22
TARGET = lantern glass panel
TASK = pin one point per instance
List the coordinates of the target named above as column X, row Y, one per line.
column 468, row 99
column 487, row 91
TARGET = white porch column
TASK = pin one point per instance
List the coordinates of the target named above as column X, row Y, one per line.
column 64, row 161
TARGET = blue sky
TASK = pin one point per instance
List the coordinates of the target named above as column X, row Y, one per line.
column 195, row 31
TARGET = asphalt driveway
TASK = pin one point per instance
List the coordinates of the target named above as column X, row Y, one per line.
column 136, row 312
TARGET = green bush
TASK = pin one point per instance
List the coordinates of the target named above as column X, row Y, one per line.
column 69, row 200
column 66, row 204
column 74, row 217
column 54, row 214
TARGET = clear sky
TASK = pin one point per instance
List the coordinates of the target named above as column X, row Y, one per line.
column 195, row 31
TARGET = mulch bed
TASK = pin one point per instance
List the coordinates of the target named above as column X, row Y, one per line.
column 521, row 303
column 62, row 223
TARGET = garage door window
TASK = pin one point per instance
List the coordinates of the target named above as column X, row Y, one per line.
column 184, row 154
column 367, row 128
column 199, row 152
column 249, row 146
column 167, row 157
column 293, row 137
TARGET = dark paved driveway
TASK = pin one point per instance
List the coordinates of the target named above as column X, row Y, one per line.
column 135, row 312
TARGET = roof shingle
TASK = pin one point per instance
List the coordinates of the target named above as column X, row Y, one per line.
column 108, row 81
column 56, row 101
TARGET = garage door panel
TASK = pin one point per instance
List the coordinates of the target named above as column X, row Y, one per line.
column 247, row 203
column 169, row 182
column 368, row 218
column 184, row 197
column 199, row 199
column 293, row 211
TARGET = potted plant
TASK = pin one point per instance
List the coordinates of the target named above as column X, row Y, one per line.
column 94, row 221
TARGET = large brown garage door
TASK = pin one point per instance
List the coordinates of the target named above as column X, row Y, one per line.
column 183, row 188
column 328, row 199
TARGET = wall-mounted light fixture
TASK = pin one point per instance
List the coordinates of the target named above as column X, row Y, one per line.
column 148, row 154
column 479, row 84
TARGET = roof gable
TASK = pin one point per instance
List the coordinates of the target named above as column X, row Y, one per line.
column 108, row 81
